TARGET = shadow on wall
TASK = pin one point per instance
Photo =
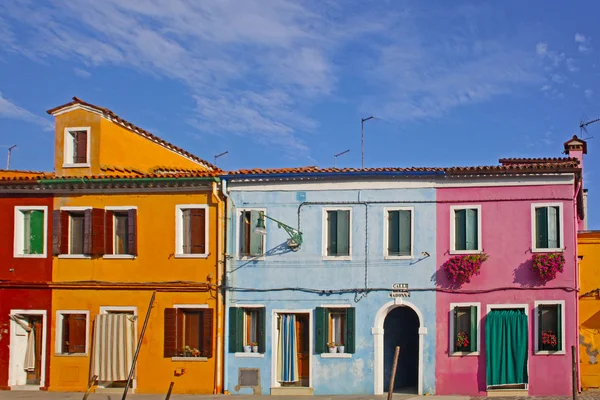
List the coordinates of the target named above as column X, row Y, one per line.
column 441, row 279
column 526, row 277
column 278, row 250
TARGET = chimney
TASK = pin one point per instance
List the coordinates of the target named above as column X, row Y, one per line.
column 576, row 148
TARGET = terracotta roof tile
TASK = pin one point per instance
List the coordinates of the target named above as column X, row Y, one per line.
column 173, row 170
column 113, row 116
column 35, row 178
column 124, row 170
column 506, row 161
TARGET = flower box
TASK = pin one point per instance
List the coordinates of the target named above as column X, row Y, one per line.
column 460, row 269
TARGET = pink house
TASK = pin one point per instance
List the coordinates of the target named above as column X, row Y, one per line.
column 509, row 331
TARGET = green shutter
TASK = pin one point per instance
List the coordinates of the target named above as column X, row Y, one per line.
column 262, row 327
column 473, row 333
column 236, row 329
column 471, row 228
column 393, row 233
column 540, row 328
column 460, row 231
column 559, row 327
column 36, row 232
column 256, row 240
column 321, row 329
column 343, row 233
column 405, row 233
column 332, row 218
column 350, row 345
column 541, row 228
column 553, row 225
column 455, row 317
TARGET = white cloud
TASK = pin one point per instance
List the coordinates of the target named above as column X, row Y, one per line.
column 580, row 38
column 571, row 65
column 588, row 93
column 12, row 111
column 545, row 88
column 547, row 138
column 82, row 73
column 583, row 43
column 541, row 49
column 558, row 78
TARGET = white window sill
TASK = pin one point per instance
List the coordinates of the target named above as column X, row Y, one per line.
column 119, row 256
column 465, row 252
column 70, row 355
column 337, row 258
column 191, row 255
column 252, row 258
column 191, row 359
column 399, row 257
column 30, row 256
column 464, row 353
column 80, row 256
column 536, row 250
column 336, row 355
column 81, row 165
column 249, row 355
column 550, row 353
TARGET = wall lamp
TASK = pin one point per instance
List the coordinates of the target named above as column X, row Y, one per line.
column 295, row 239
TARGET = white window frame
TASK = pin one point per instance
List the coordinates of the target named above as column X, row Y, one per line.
column 194, row 307
column 238, row 226
column 451, row 327
column 561, row 303
column 59, row 326
column 325, row 238
column 68, row 147
column 561, row 228
column 386, row 211
column 250, row 355
column 179, row 230
column 113, row 255
column 453, row 210
column 74, row 209
column 19, row 242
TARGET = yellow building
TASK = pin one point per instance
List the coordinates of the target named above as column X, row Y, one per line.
column 135, row 218
column 589, row 308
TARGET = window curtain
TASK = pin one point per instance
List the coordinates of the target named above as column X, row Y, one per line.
column 29, row 364
column 114, row 345
column 506, row 347
column 287, row 349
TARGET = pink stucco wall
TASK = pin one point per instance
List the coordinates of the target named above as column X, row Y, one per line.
column 506, row 238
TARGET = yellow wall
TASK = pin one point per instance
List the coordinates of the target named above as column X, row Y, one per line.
column 589, row 308
column 111, row 144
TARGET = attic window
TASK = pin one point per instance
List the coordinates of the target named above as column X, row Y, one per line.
column 76, row 153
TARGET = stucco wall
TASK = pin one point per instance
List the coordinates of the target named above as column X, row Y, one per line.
column 307, row 269
column 506, row 238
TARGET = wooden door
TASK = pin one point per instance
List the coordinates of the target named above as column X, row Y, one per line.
column 302, row 332
column 35, row 377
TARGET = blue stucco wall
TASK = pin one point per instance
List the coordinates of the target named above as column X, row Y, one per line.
column 307, row 269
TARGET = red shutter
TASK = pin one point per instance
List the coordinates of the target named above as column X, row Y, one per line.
column 207, row 333
column 198, row 230
column 64, row 233
column 132, row 232
column 108, row 232
column 77, row 333
column 81, row 147
column 97, row 232
column 170, row 344
column 56, row 233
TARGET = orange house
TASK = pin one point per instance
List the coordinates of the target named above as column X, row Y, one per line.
column 137, row 253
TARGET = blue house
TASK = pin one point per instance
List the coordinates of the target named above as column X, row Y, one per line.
column 327, row 272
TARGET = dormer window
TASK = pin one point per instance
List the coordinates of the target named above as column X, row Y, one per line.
column 77, row 149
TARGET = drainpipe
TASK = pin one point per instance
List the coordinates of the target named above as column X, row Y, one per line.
column 220, row 306
column 224, row 272
column 576, row 260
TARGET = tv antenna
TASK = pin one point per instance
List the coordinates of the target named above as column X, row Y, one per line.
column 219, row 155
column 10, row 149
column 335, row 156
column 583, row 125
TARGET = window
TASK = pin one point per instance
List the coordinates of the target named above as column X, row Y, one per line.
column 464, row 328
column 72, row 330
column 246, row 326
column 547, row 227
column 121, row 231
column 188, row 332
column 337, row 233
column 465, row 225
column 399, row 233
column 549, row 326
column 78, row 231
column 76, row 147
column 251, row 244
column 335, row 324
column 30, row 231
column 192, row 231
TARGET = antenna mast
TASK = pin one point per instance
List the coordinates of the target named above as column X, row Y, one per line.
column 583, row 125
column 10, row 149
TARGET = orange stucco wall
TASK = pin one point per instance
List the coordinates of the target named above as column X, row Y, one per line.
column 589, row 309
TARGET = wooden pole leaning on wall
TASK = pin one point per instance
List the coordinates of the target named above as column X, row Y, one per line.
column 139, row 345
column 393, row 376
column 574, row 364
column 89, row 388
column 169, row 391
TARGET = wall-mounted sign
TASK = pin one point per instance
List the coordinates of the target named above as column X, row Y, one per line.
column 400, row 290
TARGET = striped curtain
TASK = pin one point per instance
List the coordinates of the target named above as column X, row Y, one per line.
column 114, row 345
column 287, row 349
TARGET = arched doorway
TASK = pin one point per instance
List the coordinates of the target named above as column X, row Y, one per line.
column 401, row 328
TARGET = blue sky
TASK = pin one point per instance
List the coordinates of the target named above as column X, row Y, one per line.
column 282, row 83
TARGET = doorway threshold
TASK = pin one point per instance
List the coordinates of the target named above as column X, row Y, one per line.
column 113, row 390
column 508, row 392
column 292, row 391
column 25, row 387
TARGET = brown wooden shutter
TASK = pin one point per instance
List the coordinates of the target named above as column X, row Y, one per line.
column 170, row 344
column 77, row 333
column 56, row 232
column 186, row 233
column 64, row 232
column 80, row 147
column 207, row 332
column 132, row 232
column 97, row 232
column 87, row 232
column 198, row 230
column 65, row 333
column 109, row 240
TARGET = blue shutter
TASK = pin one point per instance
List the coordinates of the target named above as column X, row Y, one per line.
column 541, row 228
column 393, row 233
column 256, row 240
column 332, row 247
column 321, row 329
column 405, row 233
column 472, row 242
column 350, row 330
column 343, row 233
column 553, row 228
column 460, row 230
